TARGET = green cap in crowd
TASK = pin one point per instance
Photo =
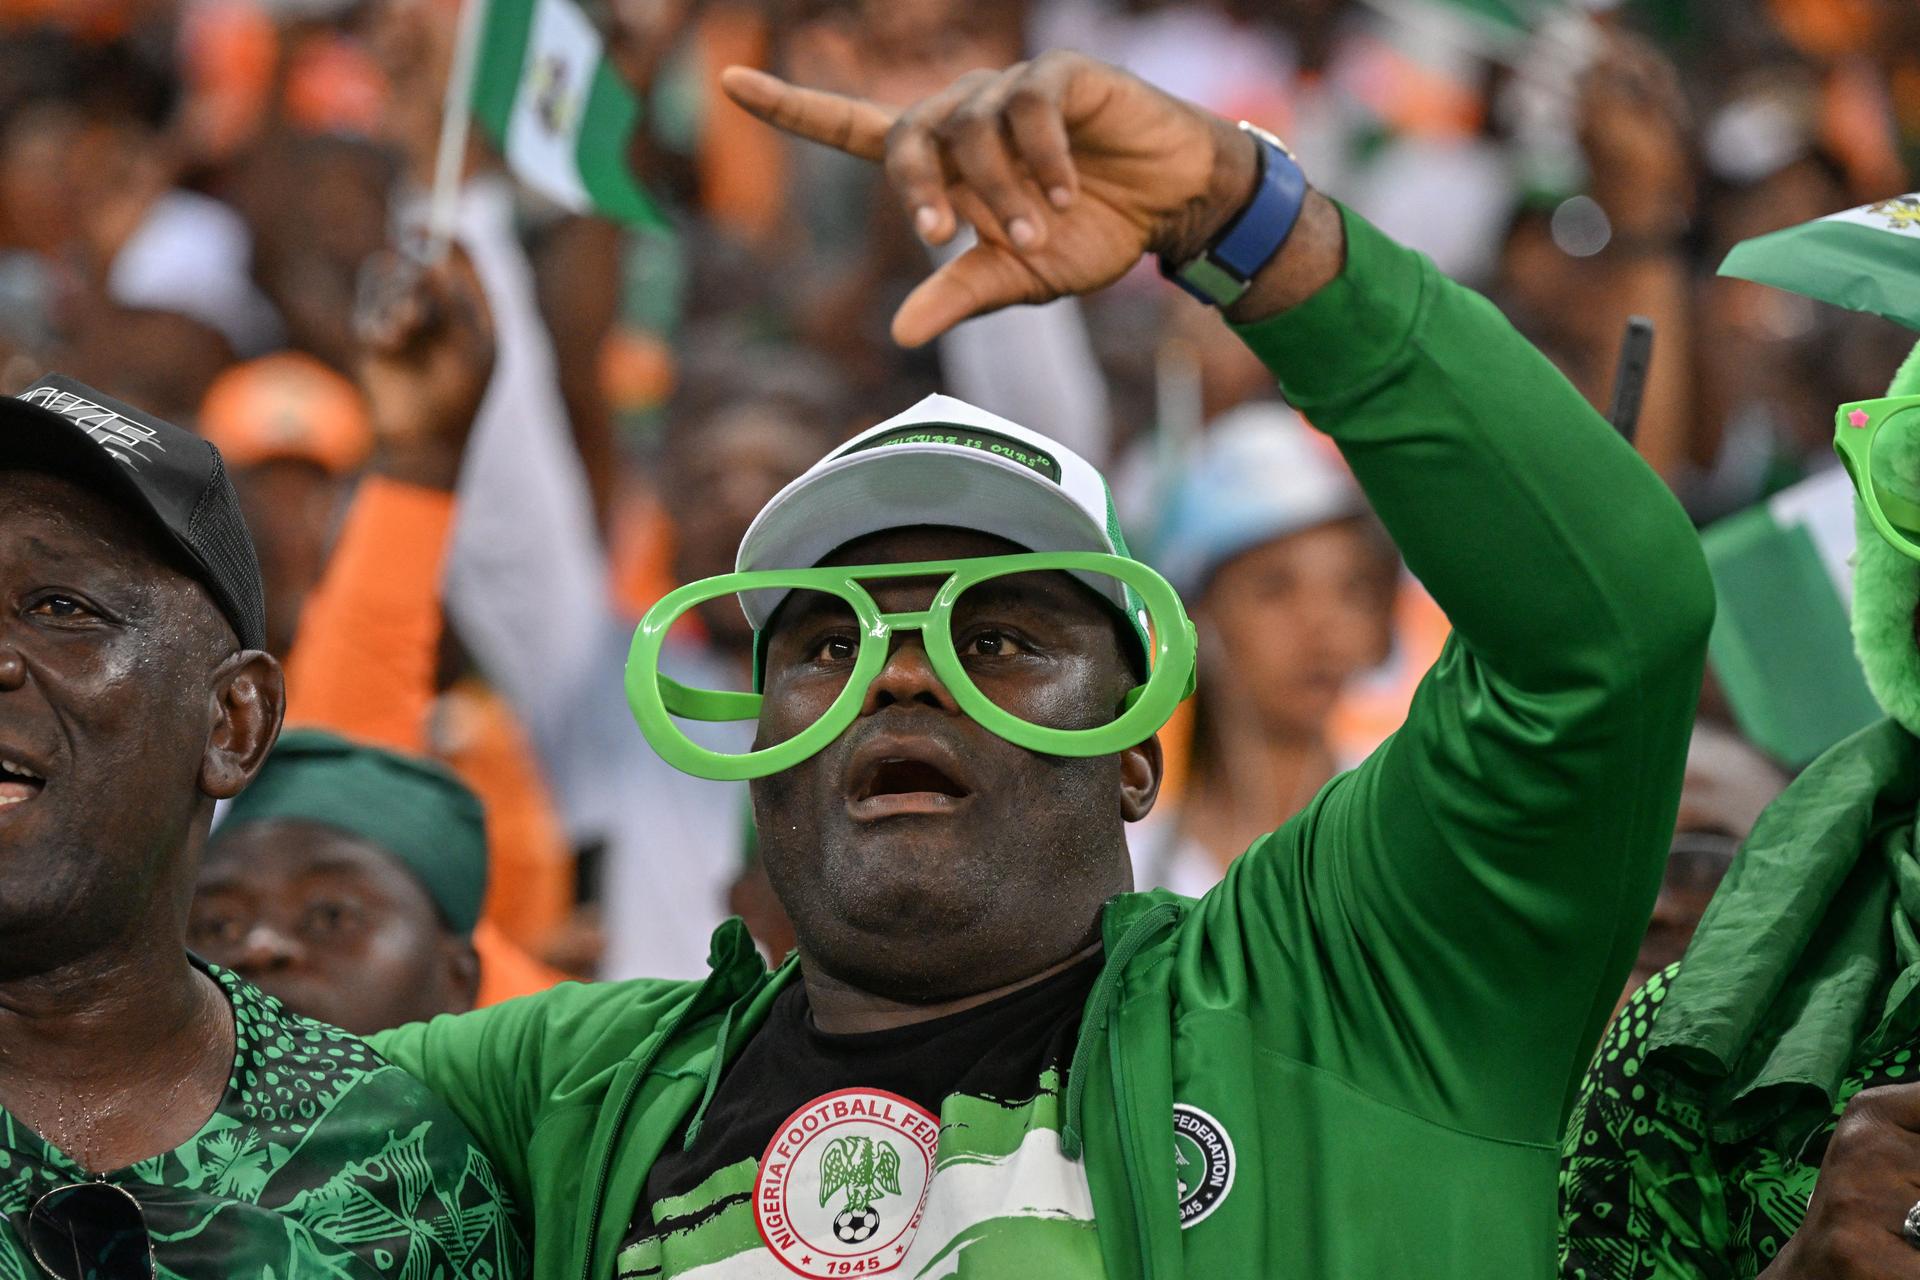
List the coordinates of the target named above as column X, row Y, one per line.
column 413, row 808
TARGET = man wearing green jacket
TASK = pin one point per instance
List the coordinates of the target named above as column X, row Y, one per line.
column 987, row 1058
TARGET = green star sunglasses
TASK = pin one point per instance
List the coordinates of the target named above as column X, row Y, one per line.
column 1879, row 443
column 1157, row 618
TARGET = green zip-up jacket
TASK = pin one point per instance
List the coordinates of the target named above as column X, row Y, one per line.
column 1388, row 1003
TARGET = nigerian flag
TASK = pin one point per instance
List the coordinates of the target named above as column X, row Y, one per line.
column 1782, row 642
column 544, row 92
column 1865, row 259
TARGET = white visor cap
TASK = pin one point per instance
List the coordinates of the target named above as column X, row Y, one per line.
column 942, row 462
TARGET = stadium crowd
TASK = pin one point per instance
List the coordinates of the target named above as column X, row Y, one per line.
column 467, row 481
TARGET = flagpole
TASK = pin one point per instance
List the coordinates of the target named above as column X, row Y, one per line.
column 455, row 114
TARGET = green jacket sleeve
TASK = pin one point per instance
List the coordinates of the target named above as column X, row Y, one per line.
column 479, row 1064
column 1448, row 925
column 502, row 1067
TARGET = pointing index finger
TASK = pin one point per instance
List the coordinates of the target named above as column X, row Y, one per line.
column 851, row 125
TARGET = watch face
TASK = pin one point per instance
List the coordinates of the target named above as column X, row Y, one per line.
column 1208, row 281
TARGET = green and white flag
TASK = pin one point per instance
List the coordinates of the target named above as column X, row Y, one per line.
column 1865, row 259
column 1782, row 644
column 545, row 94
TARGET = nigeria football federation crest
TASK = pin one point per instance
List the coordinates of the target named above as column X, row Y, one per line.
column 1202, row 1162
column 844, row 1181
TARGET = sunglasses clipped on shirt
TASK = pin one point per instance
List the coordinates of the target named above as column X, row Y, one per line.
column 90, row 1231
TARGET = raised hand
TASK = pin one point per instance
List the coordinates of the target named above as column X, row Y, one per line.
column 1868, row 1182
column 425, row 357
column 1069, row 170
column 1633, row 126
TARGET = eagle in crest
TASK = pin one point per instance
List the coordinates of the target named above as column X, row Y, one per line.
column 865, row 1168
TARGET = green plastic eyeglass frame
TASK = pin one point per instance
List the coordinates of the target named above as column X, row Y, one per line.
column 656, row 698
column 1856, row 427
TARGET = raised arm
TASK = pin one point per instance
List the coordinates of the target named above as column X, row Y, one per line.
column 1455, row 917
column 364, row 658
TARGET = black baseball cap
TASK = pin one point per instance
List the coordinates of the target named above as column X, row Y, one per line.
column 162, row 471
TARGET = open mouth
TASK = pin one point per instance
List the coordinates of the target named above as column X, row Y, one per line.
column 18, row 784
column 898, row 785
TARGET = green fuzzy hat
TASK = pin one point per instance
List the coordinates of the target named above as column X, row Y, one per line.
column 1886, row 593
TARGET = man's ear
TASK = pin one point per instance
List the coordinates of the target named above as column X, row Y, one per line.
column 463, row 972
column 1141, row 769
column 249, row 699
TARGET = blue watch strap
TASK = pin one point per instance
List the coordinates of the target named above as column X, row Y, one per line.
column 1222, row 271
column 1263, row 226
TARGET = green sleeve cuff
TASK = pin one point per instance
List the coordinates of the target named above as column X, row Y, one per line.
column 1351, row 333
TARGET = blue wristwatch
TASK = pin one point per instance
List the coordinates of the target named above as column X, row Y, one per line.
column 1219, row 274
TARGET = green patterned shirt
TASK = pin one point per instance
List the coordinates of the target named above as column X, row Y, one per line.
column 322, row 1160
column 1645, row 1191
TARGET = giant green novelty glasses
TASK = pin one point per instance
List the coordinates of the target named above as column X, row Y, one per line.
column 1879, row 441
column 996, row 633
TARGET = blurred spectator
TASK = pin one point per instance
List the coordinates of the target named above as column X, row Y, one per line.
column 153, row 356
column 251, row 65
column 346, row 881
column 743, row 424
column 293, row 434
column 1219, row 56
column 317, row 205
column 154, row 243
column 1291, row 587
column 142, row 283
column 1576, row 264
column 526, row 579
column 1771, row 364
column 1728, row 783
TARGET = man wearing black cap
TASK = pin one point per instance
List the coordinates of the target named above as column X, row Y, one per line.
column 158, row 1115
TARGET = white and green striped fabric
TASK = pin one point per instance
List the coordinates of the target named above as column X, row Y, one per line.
column 1002, row 1200
column 544, row 92
column 1865, row 259
column 1782, row 648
